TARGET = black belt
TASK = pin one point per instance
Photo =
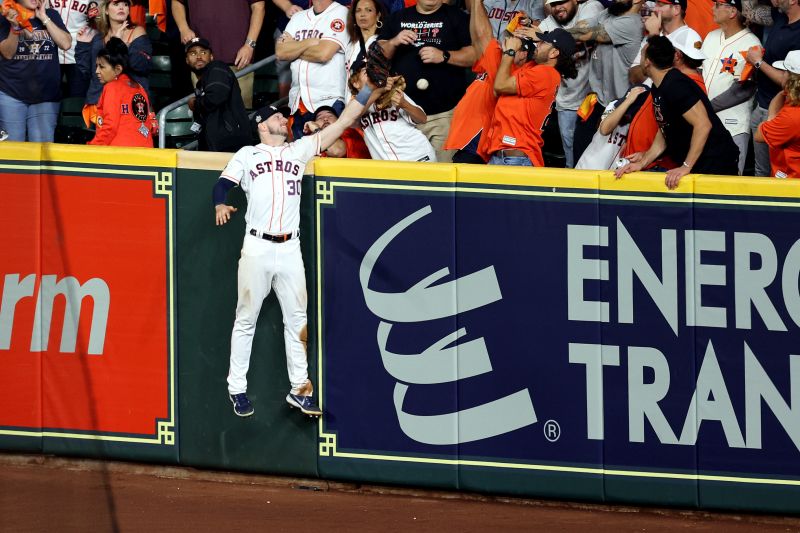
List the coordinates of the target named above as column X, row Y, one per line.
column 274, row 238
column 511, row 153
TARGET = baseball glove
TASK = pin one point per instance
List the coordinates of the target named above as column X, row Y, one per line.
column 385, row 100
column 377, row 65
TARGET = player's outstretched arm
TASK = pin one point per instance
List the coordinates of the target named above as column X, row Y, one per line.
column 352, row 111
column 222, row 211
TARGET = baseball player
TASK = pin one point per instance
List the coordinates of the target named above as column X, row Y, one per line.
column 270, row 175
column 314, row 41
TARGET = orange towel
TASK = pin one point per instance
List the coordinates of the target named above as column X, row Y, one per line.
column 748, row 69
column 24, row 15
column 587, row 106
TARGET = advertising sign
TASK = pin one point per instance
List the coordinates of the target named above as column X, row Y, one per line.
column 85, row 330
column 572, row 329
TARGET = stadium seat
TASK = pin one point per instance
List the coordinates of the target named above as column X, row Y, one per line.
column 161, row 81
column 178, row 127
column 70, row 128
column 265, row 86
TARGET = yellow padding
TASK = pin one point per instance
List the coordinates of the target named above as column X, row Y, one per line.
column 110, row 155
column 20, row 151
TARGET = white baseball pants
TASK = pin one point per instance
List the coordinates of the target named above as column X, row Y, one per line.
column 265, row 265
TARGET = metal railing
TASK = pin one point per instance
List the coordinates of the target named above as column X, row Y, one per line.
column 162, row 115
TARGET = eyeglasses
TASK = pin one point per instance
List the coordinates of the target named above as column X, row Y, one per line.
column 195, row 53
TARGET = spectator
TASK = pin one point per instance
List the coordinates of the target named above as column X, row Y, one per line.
column 76, row 15
column 565, row 14
column 217, row 105
column 500, row 13
column 781, row 132
column 731, row 97
column 350, row 144
column 688, row 55
column 430, row 41
column 233, row 27
column 364, row 20
column 689, row 131
column 30, row 81
column 315, row 41
column 526, row 97
column 617, row 34
column 668, row 19
column 391, row 133
column 474, row 112
column 113, row 21
column 283, row 68
column 784, row 36
column 124, row 117
column 607, row 145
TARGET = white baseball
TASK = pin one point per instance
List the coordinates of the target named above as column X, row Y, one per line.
column 422, row 84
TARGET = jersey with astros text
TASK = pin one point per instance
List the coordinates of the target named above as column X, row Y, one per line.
column 270, row 177
column 74, row 13
column 319, row 84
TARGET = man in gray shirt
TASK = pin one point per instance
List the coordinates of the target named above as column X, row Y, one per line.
column 566, row 14
column 618, row 35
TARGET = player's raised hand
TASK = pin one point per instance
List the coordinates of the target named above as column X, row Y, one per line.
column 224, row 213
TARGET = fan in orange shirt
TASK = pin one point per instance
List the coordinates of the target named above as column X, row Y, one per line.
column 474, row 112
column 124, row 116
column 526, row 98
column 781, row 130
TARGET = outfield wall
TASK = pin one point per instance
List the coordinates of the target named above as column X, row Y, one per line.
column 541, row 333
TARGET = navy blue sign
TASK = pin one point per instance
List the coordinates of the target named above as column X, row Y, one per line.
column 535, row 328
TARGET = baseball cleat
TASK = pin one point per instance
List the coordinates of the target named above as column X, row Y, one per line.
column 306, row 404
column 241, row 404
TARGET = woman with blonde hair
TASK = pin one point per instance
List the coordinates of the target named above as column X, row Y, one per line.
column 780, row 131
column 113, row 20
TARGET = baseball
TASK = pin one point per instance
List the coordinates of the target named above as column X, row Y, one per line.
column 422, row 84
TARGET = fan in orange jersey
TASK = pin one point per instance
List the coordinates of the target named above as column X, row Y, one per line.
column 124, row 117
column 781, row 130
column 475, row 109
column 526, row 98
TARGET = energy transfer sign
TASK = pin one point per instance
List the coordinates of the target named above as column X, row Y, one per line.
column 491, row 321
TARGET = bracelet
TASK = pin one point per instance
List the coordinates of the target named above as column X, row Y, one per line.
column 16, row 30
column 46, row 21
column 687, row 165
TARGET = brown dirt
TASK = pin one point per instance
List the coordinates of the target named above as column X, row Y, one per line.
column 53, row 494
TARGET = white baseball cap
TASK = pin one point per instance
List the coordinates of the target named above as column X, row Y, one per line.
column 687, row 41
column 791, row 63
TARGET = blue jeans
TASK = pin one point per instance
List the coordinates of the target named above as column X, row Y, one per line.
column 517, row 161
column 760, row 150
column 28, row 122
column 566, row 126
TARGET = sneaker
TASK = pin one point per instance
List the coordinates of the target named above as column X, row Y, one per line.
column 241, row 405
column 3, row 135
column 306, row 404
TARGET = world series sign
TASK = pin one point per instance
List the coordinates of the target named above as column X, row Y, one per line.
column 485, row 320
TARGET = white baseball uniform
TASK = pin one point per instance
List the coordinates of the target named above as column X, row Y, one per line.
column 391, row 135
column 603, row 152
column 318, row 84
column 501, row 11
column 351, row 52
column 722, row 68
column 270, row 177
column 74, row 13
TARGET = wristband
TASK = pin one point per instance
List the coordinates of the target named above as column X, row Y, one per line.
column 757, row 65
column 363, row 95
column 16, row 30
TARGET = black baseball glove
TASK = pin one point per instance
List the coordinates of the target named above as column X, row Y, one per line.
column 378, row 65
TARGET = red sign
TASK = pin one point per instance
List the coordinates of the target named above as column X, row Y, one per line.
column 84, row 337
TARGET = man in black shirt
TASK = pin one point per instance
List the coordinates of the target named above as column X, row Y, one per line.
column 430, row 45
column 690, row 133
column 217, row 105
